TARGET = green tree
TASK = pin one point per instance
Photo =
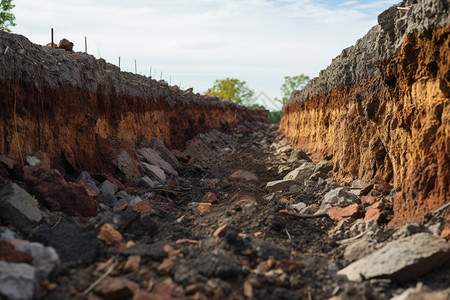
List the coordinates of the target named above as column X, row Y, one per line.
column 292, row 83
column 231, row 89
column 6, row 16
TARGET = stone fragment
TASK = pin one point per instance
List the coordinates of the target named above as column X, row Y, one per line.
column 45, row 259
column 198, row 150
column 165, row 267
column 116, row 289
column 339, row 213
column 373, row 213
column 109, row 235
column 74, row 243
column 358, row 184
column 180, row 155
column 146, row 182
column 283, row 149
column 128, row 166
column 401, row 260
column 135, row 201
column 132, row 264
column 9, row 254
column 359, row 249
column 108, row 188
column 209, row 197
column 86, row 178
column 243, row 175
column 408, row 230
column 297, row 155
column 341, row 196
column 324, row 166
column 165, row 153
column 204, row 207
column 152, row 157
column 18, row 209
column 144, row 208
column 417, row 294
column 154, row 172
column 55, row 193
column 65, row 44
column 278, row 185
column 17, row 281
column 301, row 173
column 32, row 161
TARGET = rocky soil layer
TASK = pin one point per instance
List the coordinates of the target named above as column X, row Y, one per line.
column 66, row 103
column 382, row 108
column 238, row 214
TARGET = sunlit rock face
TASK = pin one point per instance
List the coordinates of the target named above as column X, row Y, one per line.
column 383, row 108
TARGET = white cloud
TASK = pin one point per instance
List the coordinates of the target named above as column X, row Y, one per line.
column 198, row 41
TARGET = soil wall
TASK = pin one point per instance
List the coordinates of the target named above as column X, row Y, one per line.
column 383, row 108
column 66, row 103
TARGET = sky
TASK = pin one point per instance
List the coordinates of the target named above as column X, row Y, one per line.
column 191, row 43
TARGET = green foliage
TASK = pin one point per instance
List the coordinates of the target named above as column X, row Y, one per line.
column 274, row 117
column 256, row 106
column 231, row 89
column 292, row 83
column 6, row 17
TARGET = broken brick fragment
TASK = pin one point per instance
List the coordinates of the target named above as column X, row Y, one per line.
column 109, row 235
column 339, row 213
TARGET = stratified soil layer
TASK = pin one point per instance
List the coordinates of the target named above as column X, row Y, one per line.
column 66, row 104
column 394, row 123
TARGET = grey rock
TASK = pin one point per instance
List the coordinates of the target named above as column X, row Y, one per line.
column 135, row 201
column 359, row 249
column 108, row 188
column 122, row 198
column 298, row 155
column 32, row 161
column 341, row 196
column 147, row 196
column 74, row 243
column 17, row 208
column 324, row 166
column 110, row 200
column 401, row 260
column 8, row 234
column 301, row 173
column 358, row 184
column 277, row 185
column 86, row 178
column 318, row 175
column 17, row 281
column 151, row 157
column 154, row 172
column 165, row 153
column 408, row 230
column 45, row 259
column 128, row 166
column 146, row 182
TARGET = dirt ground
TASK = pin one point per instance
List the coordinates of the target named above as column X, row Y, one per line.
column 241, row 246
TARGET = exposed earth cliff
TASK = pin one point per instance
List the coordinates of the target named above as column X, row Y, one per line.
column 66, row 104
column 382, row 108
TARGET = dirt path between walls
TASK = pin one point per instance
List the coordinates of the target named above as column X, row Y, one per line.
column 244, row 217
